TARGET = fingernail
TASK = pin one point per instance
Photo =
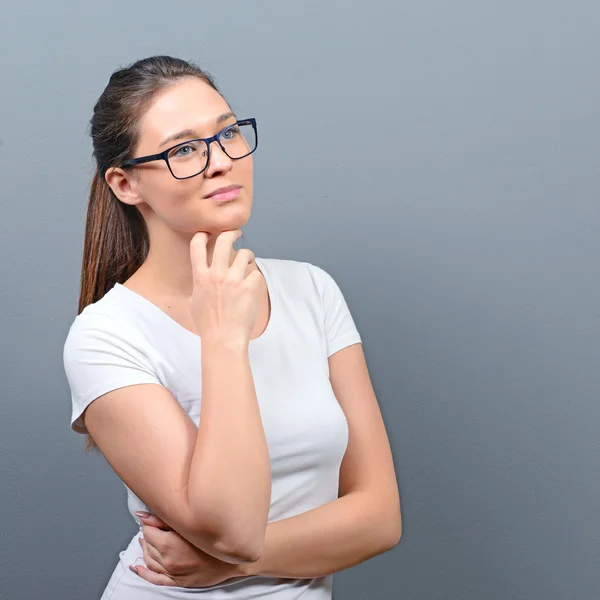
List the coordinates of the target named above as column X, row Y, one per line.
column 142, row 514
column 140, row 541
column 134, row 569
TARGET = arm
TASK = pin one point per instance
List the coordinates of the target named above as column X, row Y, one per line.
column 365, row 521
column 186, row 475
column 213, row 484
column 179, row 473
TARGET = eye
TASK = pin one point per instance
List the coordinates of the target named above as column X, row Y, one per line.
column 183, row 151
column 231, row 132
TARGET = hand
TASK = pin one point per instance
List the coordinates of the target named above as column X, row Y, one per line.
column 171, row 560
column 224, row 300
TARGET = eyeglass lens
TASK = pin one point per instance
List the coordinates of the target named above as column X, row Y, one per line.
column 190, row 158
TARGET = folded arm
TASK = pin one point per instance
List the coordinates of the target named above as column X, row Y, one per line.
column 365, row 520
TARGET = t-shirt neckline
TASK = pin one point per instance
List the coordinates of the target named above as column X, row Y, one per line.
column 150, row 308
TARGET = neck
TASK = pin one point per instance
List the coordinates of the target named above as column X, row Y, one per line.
column 168, row 266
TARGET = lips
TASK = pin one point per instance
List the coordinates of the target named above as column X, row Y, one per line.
column 228, row 192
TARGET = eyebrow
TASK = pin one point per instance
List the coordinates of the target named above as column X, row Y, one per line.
column 190, row 133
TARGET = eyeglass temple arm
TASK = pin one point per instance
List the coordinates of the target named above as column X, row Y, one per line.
column 144, row 159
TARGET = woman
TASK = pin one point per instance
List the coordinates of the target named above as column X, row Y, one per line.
column 228, row 392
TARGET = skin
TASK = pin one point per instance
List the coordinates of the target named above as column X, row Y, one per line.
column 365, row 520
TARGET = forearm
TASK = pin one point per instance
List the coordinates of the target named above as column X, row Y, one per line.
column 230, row 477
column 328, row 539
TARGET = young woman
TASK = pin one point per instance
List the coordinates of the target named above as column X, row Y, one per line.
column 228, row 392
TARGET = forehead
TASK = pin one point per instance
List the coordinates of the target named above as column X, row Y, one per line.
column 189, row 104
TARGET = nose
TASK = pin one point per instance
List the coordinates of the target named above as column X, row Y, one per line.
column 218, row 162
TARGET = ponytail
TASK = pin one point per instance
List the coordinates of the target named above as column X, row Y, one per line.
column 114, row 247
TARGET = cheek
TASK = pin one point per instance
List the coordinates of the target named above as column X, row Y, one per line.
column 244, row 175
column 163, row 192
column 169, row 199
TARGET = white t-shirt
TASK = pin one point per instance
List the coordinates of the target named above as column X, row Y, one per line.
column 123, row 339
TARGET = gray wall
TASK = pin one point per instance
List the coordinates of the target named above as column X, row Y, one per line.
column 441, row 160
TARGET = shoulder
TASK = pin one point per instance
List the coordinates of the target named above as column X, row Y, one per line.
column 110, row 312
column 109, row 322
column 311, row 287
column 105, row 349
column 298, row 275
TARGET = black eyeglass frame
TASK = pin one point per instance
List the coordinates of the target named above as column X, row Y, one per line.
column 215, row 138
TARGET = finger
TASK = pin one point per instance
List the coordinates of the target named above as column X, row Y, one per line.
column 151, row 576
column 150, row 551
column 156, row 537
column 222, row 249
column 152, row 558
column 198, row 252
column 254, row 277
column 239, row 266
column 154, row 521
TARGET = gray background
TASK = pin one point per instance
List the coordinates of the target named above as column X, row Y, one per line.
column 441, row 160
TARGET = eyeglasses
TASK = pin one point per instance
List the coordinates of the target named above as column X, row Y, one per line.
column 190, row 158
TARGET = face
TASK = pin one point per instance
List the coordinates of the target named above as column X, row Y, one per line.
column 186, row 206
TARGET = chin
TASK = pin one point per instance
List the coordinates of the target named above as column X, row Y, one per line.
column 229, row 219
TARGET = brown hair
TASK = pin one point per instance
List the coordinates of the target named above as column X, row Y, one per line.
column 116, row 239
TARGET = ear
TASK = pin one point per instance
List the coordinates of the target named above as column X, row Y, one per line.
column 123, row 185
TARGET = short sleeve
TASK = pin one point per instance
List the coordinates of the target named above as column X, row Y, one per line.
column 101, row 355
column 340, row 329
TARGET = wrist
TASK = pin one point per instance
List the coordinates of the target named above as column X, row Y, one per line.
column 214, row 345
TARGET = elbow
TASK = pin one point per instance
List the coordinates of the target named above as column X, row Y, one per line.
column 393, row 532
column 227, row 536
column 247, row 554
column 228, row 547
column 233, row 544
column 394, row 535
column 392, row 523
column 239, row 551
column 390, row 532
column 242, row 544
